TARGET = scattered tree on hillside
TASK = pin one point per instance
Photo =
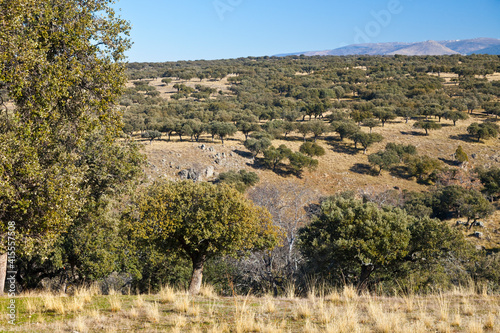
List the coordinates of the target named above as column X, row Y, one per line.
column 461, row 155
column 483, row 131
column 257, row 146
column 490, row 178
column 455, row 116
column 312, row 149
column 151, row 135
column 427, row 125
column 384, row 159
column 240, row 180
column 371, row 123
column 274, row 156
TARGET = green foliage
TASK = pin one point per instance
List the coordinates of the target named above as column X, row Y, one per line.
column 418, row 204
column 317, row 128
column 257, row 146
column 151, row 135
column 427, row 125
column 311, row 149
column 401, row 150
column 371, row 123
column 383, row 159
column 241, row 180
column 384, row 114
column 483, row 131
column 274, row 128
column 461, row 155
column 457, row 201
column 366, row 139
column 222, row 129
column 345, row 129
column 62, row 70
column 304, row 128
column 201, row 221
column 405, row 113
column 247, row 127
column 455, row 116
column 490, row 178
column 182, row 88
column 492, row 108
column 351, row 241
column 424, row 168
column 299, row 161
column 274, row 156
column 355, row 239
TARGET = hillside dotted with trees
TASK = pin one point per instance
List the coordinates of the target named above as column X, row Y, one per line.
column 253, row 175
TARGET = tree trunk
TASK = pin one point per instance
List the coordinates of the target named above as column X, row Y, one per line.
column 366, row 271
column 197, row 276
column 3, row 271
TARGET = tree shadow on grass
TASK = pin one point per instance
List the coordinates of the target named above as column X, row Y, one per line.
column 343, row 148
column 242, row 153
column 449, row 162
column 463, row 137
column 363, row 169
column 400, row 171
column 415, row 133
column 281, row 169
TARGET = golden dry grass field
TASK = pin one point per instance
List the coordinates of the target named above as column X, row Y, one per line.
column 336, row 311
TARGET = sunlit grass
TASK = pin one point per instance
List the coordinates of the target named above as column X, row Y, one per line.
column 337, row 311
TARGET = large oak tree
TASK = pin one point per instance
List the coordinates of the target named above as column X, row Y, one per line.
column 201, row 221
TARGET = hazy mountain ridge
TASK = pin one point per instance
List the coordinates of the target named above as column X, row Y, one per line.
column 430, row 47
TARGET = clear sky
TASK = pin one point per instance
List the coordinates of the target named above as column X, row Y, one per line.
column 169, row 30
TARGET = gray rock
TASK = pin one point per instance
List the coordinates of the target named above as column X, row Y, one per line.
column 210, row 148
column 209, row 171
column 203, row 147
column 473, row 155
column 478, row 234
column 183, row 174
column 190, row 174
column 478, row 224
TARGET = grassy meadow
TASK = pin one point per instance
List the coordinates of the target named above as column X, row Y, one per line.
column 460, row 310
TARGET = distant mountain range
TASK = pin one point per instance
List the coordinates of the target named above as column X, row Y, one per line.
column 430, row 47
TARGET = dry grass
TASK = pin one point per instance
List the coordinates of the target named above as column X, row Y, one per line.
column 167, row 294
column 115, row 303
column 460, row 310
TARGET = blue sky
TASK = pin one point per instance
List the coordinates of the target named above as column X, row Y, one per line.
column 169, row 30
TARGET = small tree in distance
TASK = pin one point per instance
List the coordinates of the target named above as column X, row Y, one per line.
column 483, row 131
column 312, row 149
column 383, row 159
column 427, row 125
column 460, row 155
column 151, row 135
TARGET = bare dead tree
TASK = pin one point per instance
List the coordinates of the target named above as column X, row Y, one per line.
column 288, row 203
